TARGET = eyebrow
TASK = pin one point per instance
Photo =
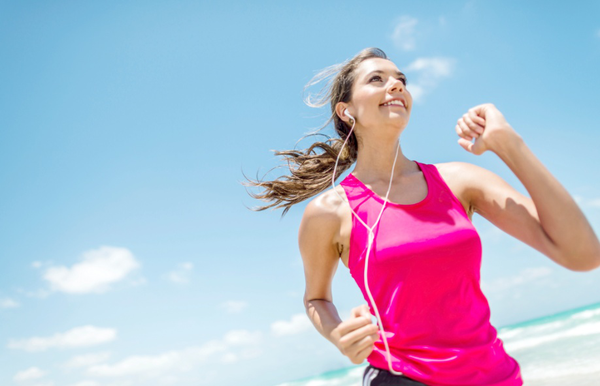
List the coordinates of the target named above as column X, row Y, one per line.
column 382, row 72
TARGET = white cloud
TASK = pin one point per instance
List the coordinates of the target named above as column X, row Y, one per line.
column 29, row 374
column 242, row 337
column 432, row 67
column 299, row 323
column 8, row 303
column 88, row 359
column 416, row 91
column 428, row 72
column 593, row 202
column 404, row 31
column 76, row 337
column 233, row 306
column 86, row 383
column 246, row 345
column 229, row 357
column 249, row 353
column 525, row 276
column 40, row 294
column 252, row 352
column 99, row 269
column 156, row 365
column 181, row 275
column 36, row 264
column 169, row 380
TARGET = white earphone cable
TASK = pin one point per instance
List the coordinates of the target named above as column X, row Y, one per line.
column 371, row 238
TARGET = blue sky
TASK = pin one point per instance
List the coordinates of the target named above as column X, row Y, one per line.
column 128, row 254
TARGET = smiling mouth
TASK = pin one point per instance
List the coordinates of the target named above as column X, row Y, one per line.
column 396, row 102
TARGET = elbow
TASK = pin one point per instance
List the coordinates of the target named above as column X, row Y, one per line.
column 594, row 264
column 307, row 303
column 583, row 259
column 585, row 264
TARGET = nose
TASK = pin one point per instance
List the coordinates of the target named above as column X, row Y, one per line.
column 396, row 85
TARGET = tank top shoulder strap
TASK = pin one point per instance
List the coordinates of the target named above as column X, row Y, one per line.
column 442, row 186
column 433, row 176
column 355, row 191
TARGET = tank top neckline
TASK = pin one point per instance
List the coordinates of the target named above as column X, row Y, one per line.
column 382, row 200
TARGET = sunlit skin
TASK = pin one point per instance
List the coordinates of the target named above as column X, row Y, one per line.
column 548, row 220
column 378, row 127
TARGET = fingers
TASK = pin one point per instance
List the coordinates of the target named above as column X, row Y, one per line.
column 358, row 334
column 467, row 145
column 476, row 119
column 482, row 109
column 363, row 309
column 364, row 353
column 464, row 132
column 354, row 324
column 360, row 349
column 468, row 128
column 482, row 120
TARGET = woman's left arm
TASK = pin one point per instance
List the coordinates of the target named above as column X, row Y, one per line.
column 550, row 220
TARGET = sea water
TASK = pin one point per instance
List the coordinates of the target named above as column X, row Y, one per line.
column 556, row 350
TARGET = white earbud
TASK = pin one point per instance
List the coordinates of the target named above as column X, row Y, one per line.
column 346, row 113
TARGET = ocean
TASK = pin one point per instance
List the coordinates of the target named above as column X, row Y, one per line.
column 557, row 350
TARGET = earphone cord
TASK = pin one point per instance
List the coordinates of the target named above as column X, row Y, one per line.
column 370, row 242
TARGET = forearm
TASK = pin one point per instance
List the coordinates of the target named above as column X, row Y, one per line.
column 560, row 217
column 324, row 317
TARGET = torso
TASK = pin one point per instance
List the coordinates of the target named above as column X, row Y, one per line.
column 408, row 190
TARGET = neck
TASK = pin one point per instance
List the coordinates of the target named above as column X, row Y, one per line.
column 375, row 161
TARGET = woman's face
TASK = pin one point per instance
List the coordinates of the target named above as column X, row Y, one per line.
column 377, row 83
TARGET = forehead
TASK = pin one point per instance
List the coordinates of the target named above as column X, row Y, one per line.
column 375, row 64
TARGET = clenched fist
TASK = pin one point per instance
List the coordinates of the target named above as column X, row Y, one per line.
column 355, row 337
column 487, row 125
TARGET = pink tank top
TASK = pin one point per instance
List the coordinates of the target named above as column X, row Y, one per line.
column 424, row 275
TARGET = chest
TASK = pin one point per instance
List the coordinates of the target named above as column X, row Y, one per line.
column 416, row 193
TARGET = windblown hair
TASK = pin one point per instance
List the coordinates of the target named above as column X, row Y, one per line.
column 311, row 171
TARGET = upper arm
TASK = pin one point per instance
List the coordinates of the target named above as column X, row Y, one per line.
column 502, row 205
column 315, row 238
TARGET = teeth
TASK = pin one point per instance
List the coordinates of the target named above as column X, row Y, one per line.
column 397, row 103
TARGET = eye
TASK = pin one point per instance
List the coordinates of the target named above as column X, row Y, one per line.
column 377, row 77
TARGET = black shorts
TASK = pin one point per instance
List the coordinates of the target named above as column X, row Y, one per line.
column 374, row 376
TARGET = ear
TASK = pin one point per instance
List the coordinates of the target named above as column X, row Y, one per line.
column 339, row 110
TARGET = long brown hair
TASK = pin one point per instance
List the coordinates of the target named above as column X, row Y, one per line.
column 311, row 171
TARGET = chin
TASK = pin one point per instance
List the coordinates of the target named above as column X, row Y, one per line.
column 400, row 119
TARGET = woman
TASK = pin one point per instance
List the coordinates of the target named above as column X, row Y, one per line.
column 415, row 254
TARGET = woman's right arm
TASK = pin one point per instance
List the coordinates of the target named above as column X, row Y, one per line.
column 354, row 337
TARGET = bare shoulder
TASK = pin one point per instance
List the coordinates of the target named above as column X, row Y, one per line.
column 455, row 166
column 319, row 230
column 324, row 221
column 467, row 175
column 325, row 209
